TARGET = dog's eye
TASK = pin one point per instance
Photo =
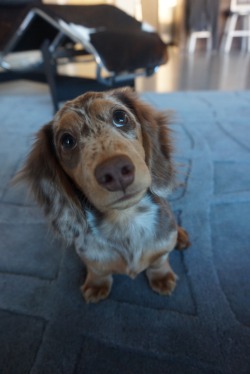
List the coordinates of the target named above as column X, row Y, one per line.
column 68, row 141
column 120, row 118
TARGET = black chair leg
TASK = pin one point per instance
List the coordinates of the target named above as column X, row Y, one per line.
column 50, row 72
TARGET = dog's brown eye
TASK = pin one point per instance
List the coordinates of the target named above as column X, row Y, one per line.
column 68, row 141
column 120, row 118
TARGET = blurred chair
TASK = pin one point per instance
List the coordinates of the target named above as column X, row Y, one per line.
column 195, row 35
column 121, row 47
column 237, row 25
column 201, row 22
column 12, row 13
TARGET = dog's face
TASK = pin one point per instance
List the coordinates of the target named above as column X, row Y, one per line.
column 110, row 146
column 99, row 144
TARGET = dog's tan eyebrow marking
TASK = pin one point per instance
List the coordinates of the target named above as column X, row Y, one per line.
column 71, row 122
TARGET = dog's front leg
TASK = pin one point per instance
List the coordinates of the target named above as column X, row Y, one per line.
column 161, row 277
column 97, row 286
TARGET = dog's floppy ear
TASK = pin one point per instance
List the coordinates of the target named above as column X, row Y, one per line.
column 50, row 185
column 156, row 140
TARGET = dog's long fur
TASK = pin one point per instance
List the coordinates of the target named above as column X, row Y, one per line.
column 102, row 170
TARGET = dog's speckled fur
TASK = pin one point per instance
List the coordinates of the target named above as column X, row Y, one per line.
column 115, row 228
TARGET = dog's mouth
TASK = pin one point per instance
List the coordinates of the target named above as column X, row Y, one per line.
column 127, row 200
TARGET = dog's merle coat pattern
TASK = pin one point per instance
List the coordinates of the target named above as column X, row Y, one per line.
column 101, row 170
column 135, row 232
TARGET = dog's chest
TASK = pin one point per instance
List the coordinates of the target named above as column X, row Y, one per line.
column 130, row 234
column 127, row 227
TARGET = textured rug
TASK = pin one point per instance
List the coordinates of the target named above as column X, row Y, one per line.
column 204, row 327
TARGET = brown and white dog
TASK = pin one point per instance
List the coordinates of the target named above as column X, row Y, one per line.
column 102, row 170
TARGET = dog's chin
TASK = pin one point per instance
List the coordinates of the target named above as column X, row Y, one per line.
column 118, row 201
column 127, row 201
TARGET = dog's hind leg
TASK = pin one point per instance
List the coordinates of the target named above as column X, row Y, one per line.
column 182, row 239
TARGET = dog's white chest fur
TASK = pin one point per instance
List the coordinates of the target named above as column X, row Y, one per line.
column 130, row 237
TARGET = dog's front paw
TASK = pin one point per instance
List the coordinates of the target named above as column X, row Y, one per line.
column 163, row 284
column 94, row 292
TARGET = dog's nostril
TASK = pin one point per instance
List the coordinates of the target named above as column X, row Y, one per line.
column 116, row 173
column 107, row 178
column 126, row 170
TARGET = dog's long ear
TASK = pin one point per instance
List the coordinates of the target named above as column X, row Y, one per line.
column 50, row 186
column 156, row 140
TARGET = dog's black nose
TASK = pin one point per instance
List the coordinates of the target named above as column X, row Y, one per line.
column 115, row 173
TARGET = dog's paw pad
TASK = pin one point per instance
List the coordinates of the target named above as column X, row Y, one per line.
column 164, row 284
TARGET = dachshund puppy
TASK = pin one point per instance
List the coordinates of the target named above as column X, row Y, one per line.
column 102, row 170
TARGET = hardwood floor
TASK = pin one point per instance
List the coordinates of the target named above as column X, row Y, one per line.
column 197, row 71
column 200, row 71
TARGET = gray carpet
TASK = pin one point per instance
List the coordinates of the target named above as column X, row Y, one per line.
column 204, row 327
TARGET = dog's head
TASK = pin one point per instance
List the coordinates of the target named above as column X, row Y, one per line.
column 110, row 147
